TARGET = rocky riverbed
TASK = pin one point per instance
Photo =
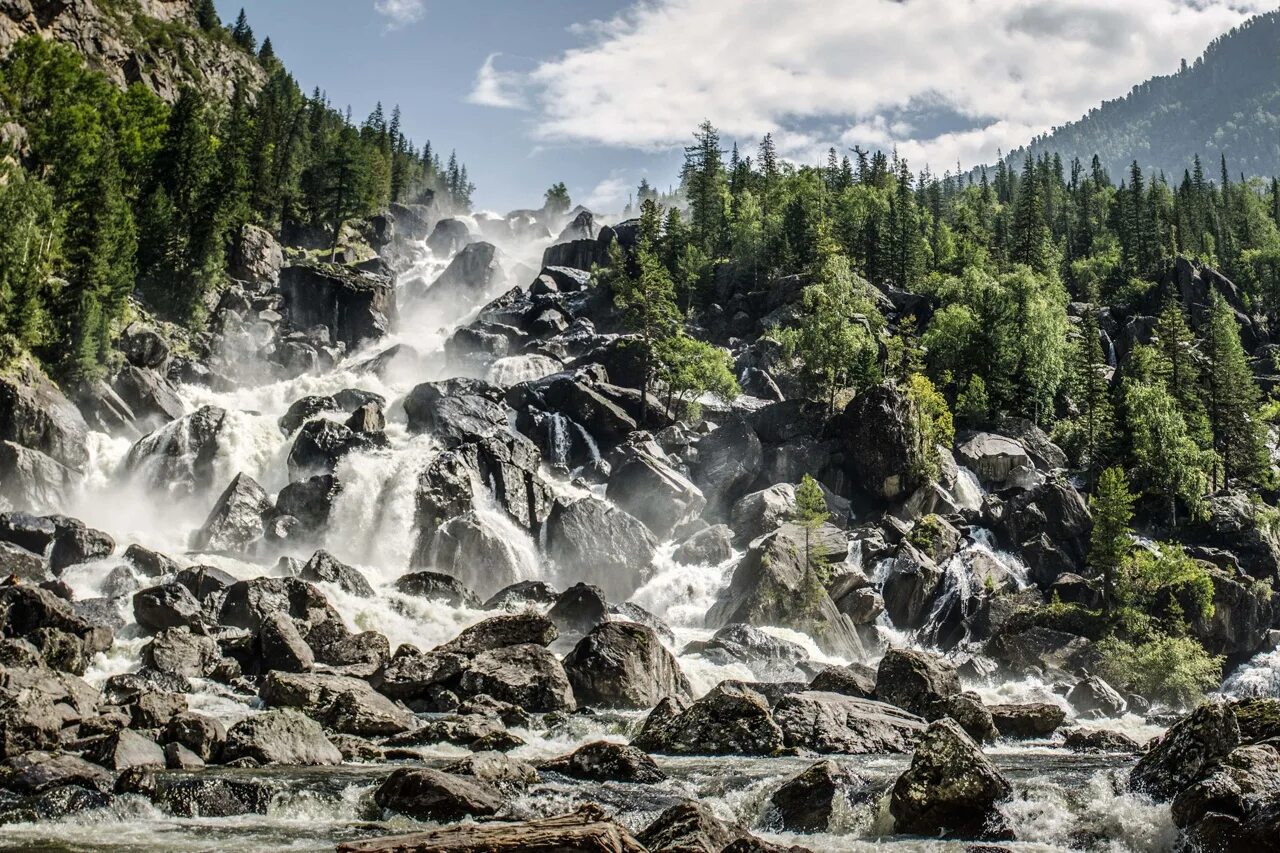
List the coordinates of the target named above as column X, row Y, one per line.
column 399, row 544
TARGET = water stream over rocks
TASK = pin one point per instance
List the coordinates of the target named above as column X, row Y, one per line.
column 506, row 524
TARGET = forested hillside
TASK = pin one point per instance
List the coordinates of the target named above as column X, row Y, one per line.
column 1227, row 102
column 113, row 193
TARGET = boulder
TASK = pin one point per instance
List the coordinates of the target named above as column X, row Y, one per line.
column 257, row 257
column 38, row 772
column 280, row 737
column 75, row 543
column 143, row 346
column 519, row 595
column 35, row 414
column 761, row 512
column 356, row 305
column 526, row 675
column 426, row 794
column 127, row 749
column 1049, row 526
column 768, row 658
column 478, row 552
column 830, row 723
column 181, row 652
column 599, row 543
column 201, row 734
column 448, row 236
column 324, row 568
column 883, row 443
column 310, row 501
column 345, row 705
column 281, row 646
column 856, row 679
column 624, row 665
column 603, row 761
column 732, row 719
column 214, row 797
column 728, row 462
column 691, row 827
column 238, row 519
column 999, row 462
column 456, row 410
column 807, row 801
column 304, row 409
column 708, row 547
column 967, row 710
column 913, row 680
column 149, row 396
column 1100, row 740
column 18, row 562
column 951, row 789
column 169, row 605
column 321, row 444
column 31, row 479
column 579, row 609
column 149, row 563
column 1095, row 696
column 33, row 533
column 645, row 485
column 912, row 582
column 1027, row 721
column 1186, row 752
column 437, row 585
column 494, row 768
column 474, row 273
column 180, row 457
column 501, row 631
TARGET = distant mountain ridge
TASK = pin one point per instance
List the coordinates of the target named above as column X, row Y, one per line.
column 1227, row 102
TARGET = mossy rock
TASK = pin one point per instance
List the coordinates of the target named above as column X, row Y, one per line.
column 1259, row 719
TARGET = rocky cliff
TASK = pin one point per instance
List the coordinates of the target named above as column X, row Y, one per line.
column 153, row 42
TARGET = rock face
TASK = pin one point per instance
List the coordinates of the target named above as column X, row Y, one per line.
column 729, row 460
column 1049, row 525
column 473, row 273
column 356, row 306
column 883, row 442
column 646, row 486
column 36, row 415
column 1186, row 751
column 914, row 680
column 951, row 789
column 996, row 460
column 624, row 665
column 238, row 519
column 33, row 480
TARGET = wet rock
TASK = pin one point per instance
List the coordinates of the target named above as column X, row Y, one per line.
column 304, row 409
column 709, row 547
column 345, row 705
column 361, row 654
column 1245, row 780
column 579, row 609
column 732, row 719
column 760, row 512
column 951, row 789
column 75, row 543
column 127, row 749
column 154, row 710
column 143, row 346
column 624, row 665
column 1186, row 751
column 519, row 595
column 29, row 478
column 690, row 827
column 967, row 710
column 768, row 657
column 323, row 567
column 478, row 552
column 645, row 485
column 356, row 305
column 1099, row 740
column 180, row 457
column 911, row 587
column 204, row 581
column 603, row 761
column 37, row 772
column 456, row 411
column 247, row 604
column 310, row 500
column 169, row 605
column 830, row 723
column 203, row 735
column 448, row 236
column 728, row 462
column 238, row 519
column 150, row 563
column 427, row 794
column 998, row 461
column 282, row 646
column 913, row 680
column 21, row 563
column 33, row 533
column 257, row 257
column 600, row 543
column 280, row 737
column 1027, row 721
column 1093, row 695
column 1049, row 525
column 438, row 586
column 502, row 631
column 494, row 768
column 807, row 801
column 150, row 396
column 28, row 721
column 526, row 675
column 321, row 444
column 214, row 797
column 856, row 679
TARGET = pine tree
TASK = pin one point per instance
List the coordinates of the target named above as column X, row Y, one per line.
column 267, row 53
column 1232, row 400
column 810, row 513
column 207, row 16
column 1178, row 365
column 556, row 201
column 242, row 33
column 706, row 187
column 1093, row 397
column 1030, row 236
column 1111, row 541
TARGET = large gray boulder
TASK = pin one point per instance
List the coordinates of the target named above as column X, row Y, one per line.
column 475, row 272
column 732, row 719
column 832, row 723
column 34, row 413
column 883, row 443
column 1187, row 751
column 498, row 632
column 527, row 675
column 595, row 541
column 951, row 789
column 996, row 460
column 915, row 680
column 624, row 665
column 181, row 457
column 1048, row 525
column 448, row 236
column 238, row 519
column 342, row 704
column 182, row 652
column 257, row 257
column 280, row 737
column 434, row 795
column 807, row 801
column 728, row 462
column 456, row 410
column 761, row 512
column 324, row 567
column 768, row 658
column 33, row 480
column 646, row 485
column 602, row 761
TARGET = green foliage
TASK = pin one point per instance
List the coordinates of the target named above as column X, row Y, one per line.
column 557, row 201
column 1111, row 539
column 811, row 513
column 689, row 368
column 1176, row 670
column 935, row 424
column 972, row 405
column 1153, row 578
column 1166, row 458
column 1232, row 400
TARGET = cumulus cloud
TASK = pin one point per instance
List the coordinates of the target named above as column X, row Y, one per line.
column 872, row 72
column 400, row 13
column 610, row 195
column 494, row 88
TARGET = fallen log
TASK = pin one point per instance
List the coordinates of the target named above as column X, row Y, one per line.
column 587, row 830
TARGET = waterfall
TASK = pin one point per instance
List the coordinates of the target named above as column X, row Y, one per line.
column 1257, row 677
column 515, row 369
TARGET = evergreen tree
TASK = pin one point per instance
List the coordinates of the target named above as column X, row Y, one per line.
column 207, row 16
column 1232, row 400
column 1030, row 236
column 810, row 513
column 1165, row 455
column 557, row 201
column 242, row 34
column 1092, row 393
column 267, row 54
column 706, row 187
column 1111, row 541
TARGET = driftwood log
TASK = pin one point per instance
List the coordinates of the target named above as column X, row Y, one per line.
column 587, row 830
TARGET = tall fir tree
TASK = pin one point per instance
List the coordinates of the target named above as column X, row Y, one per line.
column 1232, row 399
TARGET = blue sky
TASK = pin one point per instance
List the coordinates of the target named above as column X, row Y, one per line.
column 599, row 93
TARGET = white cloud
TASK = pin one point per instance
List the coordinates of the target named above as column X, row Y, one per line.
column 494, row 88
column 610, row 195
column 400, row 13
column 817, row 73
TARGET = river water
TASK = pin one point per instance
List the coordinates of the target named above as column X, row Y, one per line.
column 1062, row 801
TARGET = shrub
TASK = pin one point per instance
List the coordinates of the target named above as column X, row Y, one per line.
column 1174, row 670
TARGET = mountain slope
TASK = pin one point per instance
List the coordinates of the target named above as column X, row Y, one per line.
column 1226, row 103
column 153, row 42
